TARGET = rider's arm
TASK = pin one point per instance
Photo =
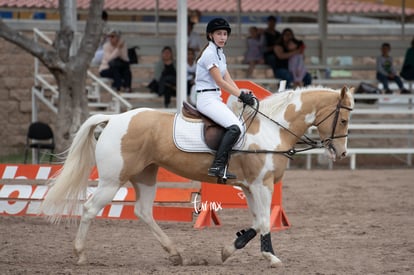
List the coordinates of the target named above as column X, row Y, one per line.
column 282, row 54
column 226, row 82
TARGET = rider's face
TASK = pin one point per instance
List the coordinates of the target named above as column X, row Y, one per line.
column 220, row 37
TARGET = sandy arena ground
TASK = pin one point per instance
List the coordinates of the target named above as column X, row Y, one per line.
column 343, row 222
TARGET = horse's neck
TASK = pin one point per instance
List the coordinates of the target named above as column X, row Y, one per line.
column 285, row 119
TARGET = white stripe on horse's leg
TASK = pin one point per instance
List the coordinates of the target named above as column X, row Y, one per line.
column 101, row 197
column 143, row 209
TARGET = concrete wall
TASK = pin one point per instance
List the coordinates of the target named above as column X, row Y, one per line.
column 16, row 80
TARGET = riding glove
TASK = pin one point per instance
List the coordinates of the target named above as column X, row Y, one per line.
column 247, row 98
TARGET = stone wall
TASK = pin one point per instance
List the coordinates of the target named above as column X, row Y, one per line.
column 16, row 81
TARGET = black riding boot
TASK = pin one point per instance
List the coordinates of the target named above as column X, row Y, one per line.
column 219, row 166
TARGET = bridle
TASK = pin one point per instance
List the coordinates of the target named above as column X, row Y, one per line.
column 338, row 108
column 311, row 143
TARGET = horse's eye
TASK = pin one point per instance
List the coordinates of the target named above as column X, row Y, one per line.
column 344, row 121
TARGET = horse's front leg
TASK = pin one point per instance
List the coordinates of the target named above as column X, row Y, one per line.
column 259, row 198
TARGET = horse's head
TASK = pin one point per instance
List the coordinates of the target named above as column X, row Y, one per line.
column 332, row 123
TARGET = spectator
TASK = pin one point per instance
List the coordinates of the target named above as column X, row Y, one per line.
column 407, row 71
column 297, row 63
column 386, row 70
column 115, row 62
column 268, row 39
column 283, row 54
column 165, row 75
column 97, row 59
column 254, row 54
column 191, row 69
column 194, row 40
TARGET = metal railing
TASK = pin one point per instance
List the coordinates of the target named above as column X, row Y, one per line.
column 42, row 83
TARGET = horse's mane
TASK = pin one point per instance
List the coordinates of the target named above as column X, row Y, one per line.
column 278, row 101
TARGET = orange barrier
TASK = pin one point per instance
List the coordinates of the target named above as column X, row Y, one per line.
column 258, row 91
column 18, row 199
column 24, row 199
column 216, row 197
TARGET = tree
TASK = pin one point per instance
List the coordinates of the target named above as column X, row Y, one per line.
column 69, row 71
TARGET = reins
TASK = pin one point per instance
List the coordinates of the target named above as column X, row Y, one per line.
column 312, row 144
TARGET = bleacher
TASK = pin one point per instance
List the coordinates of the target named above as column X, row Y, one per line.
column 384, row 128
column 362, row 52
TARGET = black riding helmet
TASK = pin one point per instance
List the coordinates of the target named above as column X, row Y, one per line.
column 217, row 24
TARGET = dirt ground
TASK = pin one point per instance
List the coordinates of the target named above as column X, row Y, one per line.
column 343, row 222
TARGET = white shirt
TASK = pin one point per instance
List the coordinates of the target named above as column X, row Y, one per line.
column 211, row 56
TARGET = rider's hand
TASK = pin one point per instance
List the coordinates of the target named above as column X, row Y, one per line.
column 247, row 98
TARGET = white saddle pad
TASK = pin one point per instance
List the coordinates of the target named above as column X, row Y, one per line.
column 188, row 136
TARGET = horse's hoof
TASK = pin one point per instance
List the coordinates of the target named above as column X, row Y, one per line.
column 276, row 264
column 81, row 261
column 274, row 261
column 81, row 256
column 176, row 259
column 226, row 252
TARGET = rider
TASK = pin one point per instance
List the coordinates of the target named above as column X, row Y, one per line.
column 212, row 76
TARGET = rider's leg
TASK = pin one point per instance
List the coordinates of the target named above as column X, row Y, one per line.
column 218, row 168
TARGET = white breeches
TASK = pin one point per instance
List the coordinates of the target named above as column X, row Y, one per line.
column 211, row 105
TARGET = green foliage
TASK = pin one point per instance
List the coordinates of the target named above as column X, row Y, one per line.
column 14, row 158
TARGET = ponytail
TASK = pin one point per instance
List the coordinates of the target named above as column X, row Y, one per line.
column 201, row 52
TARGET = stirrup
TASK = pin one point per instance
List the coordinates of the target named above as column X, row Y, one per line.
column 221, row 173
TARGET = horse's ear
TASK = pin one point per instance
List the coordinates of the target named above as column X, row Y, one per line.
column 346, row 89
column 343, row 91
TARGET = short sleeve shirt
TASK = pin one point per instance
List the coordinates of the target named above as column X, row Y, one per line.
column 211, row 56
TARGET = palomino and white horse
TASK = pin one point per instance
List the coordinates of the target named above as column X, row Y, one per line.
column 134, row 144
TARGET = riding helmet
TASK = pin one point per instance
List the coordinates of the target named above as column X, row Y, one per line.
column 217, row 24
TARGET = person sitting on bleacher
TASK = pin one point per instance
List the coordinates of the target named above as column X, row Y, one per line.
column 283, row 54
column 297, row 64
column 268, row 39
column 407, row 71
column 193, row 38
column 165, row 75
column 254, row 53
column 115, row 62
column 97, row 59
column 386, row 70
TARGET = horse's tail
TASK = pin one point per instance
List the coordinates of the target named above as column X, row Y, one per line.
column 69, row 187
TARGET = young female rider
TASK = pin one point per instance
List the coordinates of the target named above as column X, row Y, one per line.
column 211, row 77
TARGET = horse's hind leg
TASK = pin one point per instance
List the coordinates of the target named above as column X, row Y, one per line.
column 143, row 209
column 101, row 197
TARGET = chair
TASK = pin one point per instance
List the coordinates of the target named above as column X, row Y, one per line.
column 39, row 137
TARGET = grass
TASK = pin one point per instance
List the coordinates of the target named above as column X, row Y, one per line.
column 19, row 158
column 15, row 158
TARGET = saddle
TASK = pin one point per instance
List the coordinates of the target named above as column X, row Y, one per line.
column 213, row 132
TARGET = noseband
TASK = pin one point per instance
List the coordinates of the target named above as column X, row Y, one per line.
column 312, row 144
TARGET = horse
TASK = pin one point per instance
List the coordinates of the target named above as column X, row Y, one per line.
column 134, row 144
